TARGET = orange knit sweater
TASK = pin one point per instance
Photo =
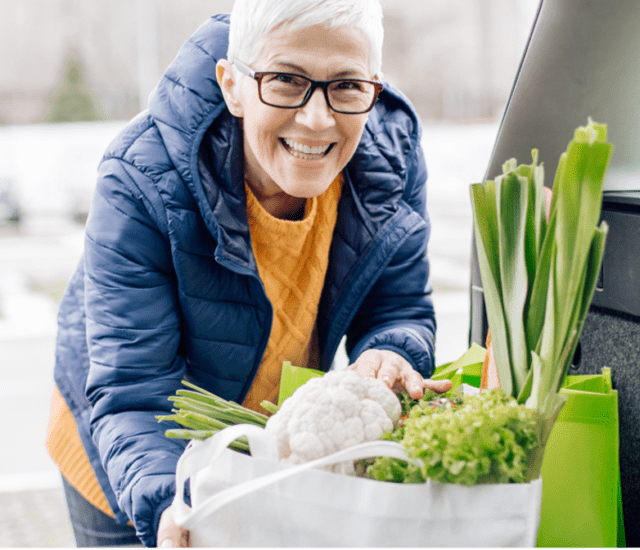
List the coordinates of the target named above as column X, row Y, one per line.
column 292, row 258
column 65, row 447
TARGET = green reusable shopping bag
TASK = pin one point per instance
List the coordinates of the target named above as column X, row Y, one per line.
column 465, row 370
column 581, row 499
column 292, row 377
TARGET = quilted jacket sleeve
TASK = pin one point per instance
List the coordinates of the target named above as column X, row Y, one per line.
column 398, row 313
column 133, row 333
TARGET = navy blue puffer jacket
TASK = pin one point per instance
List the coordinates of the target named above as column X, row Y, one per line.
column 168, row 286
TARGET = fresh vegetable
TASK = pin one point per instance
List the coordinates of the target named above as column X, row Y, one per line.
column 330, row 413
column 539, row 276
column 485, row 438
column 203, row 414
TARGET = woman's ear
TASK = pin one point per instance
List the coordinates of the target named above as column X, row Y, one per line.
column 227, row 80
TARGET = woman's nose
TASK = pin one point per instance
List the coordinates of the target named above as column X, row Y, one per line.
column 316, row 113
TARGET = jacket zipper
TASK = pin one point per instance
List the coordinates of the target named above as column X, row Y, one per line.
column 266, row 332
column 362, row 288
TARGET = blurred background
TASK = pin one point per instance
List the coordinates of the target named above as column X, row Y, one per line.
column 73, row 72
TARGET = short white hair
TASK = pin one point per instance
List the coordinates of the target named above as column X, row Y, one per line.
column 252, row 20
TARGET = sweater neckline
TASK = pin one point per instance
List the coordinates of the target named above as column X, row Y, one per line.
column 278, row 225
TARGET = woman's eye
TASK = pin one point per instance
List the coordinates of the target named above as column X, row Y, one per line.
column 350, row 86
column 285, row 80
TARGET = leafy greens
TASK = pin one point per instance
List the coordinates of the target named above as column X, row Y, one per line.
column 484, row 438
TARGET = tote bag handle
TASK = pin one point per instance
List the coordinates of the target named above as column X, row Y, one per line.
column 195, row 459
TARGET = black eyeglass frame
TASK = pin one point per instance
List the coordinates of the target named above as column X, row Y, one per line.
column 322, row 84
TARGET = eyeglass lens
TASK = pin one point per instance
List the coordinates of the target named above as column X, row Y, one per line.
column 288, row 90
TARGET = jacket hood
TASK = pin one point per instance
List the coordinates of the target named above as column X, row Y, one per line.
column 188, row 99
column 184, row 106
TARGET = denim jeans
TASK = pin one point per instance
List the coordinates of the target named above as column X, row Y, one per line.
column 91, row 527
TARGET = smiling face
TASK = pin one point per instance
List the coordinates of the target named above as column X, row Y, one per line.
column 298, row 152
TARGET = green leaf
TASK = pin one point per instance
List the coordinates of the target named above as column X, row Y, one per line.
column 525, row 392
column 543, row 374
column 483, row 198
column 591, row 273
column 486, row 232
column 512, row 194
column 536, row 310
column 537, row 389
column 579, row 202
column 536, row 223
column 596, row 256
column 537, row 261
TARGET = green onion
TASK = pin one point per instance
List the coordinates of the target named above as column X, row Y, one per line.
column 270, row 407
column 240, row 444
column 202, row 414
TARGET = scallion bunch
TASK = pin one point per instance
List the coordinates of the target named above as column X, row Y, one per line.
column 202, row 414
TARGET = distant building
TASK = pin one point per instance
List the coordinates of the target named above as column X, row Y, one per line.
column 455, row 59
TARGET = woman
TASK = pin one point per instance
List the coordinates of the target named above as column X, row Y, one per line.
column 271, row 201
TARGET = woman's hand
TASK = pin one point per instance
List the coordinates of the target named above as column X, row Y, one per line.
column 396, row 372
column 170, row 534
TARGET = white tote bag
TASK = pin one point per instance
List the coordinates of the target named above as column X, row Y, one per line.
column 241, row 500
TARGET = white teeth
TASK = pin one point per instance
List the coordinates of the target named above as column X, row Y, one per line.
column 299, row 147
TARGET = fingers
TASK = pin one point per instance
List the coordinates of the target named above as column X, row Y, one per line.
column 397, row 373
column 393, row 369
column 171, row 535
column 413, row 382
column 438, row 386
column 390, row 368
column 381, row 364
column 367, row 365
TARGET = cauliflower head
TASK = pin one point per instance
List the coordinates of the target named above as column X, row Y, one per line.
column 330, row 413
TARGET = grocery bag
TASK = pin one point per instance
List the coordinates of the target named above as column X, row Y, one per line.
column 581, row 498
column 292, row 377
column 254, row 500
column 465, row 370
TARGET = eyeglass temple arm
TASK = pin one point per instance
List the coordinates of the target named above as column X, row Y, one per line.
column 243, row 68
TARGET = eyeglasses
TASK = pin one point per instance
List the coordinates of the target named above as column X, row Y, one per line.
column 291, row 91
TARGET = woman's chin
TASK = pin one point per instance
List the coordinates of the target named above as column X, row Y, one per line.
column 307, row 188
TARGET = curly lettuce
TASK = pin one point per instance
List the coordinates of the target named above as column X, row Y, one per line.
column 484, row 438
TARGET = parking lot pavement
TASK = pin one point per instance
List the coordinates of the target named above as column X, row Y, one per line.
column 34, row 518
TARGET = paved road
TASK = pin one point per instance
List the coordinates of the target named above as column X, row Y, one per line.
column 32, row 511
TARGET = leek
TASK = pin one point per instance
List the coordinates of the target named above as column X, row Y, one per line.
column 539, row 274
